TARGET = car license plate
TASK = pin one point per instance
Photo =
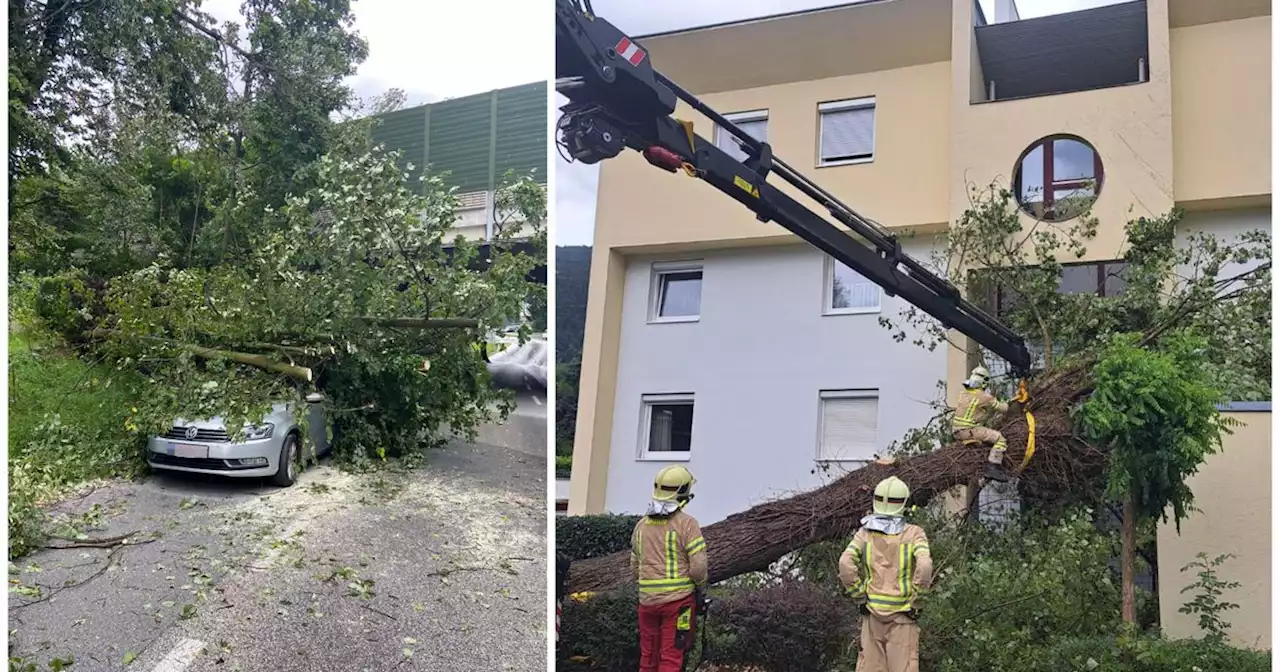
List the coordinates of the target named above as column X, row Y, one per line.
column 188, row 450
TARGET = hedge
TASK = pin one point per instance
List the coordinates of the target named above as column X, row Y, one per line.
column 1056, row 593
column 798, row 627
column 795, row 627
column 582, row 537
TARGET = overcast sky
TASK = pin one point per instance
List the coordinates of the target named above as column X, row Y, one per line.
column 437, row 50
column 576, row 183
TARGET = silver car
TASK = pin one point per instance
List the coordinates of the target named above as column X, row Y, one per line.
column 271, row 448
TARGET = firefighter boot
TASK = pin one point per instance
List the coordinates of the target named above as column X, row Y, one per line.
column 995, row 466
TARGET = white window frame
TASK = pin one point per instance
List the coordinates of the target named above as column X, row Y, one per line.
column 823, row 396
column 839, row 106
column 657, row 272
column 828, row 291
column 720, row 134
column 647, row 402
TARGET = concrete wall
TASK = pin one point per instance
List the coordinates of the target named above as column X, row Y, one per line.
column 755, row 362
column 1233, row 492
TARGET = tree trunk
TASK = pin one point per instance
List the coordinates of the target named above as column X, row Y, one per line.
column 1128, row 548
column 753, row 539
column 263, row 362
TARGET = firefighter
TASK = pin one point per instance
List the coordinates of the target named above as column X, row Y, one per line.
column 669, row 560
column 885, row 568
column 975, row 410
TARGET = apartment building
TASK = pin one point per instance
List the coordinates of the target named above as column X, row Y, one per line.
column 475, row 140
column 726, row 344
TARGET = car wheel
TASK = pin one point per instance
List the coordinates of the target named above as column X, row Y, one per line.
column 287, row 470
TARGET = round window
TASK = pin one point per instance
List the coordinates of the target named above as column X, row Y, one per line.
column 1057, row 178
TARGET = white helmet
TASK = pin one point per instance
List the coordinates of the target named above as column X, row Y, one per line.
column 978, row 378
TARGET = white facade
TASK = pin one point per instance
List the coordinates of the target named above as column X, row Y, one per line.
column 760, row 353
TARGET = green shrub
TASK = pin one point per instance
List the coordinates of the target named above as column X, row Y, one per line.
column 1001, row 595
column 563, row 464
column 789, row 627
column 63, row 303
column 68, row 423
column 582, row 537
column 1151, row 653
column 1207, row 603
column 792, row 626
column 603, row 630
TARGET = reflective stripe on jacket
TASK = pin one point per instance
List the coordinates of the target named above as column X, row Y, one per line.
column 889, row 569
column 668, row 557
column 974, row 408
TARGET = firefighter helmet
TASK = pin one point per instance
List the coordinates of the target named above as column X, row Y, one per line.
column 673, row 483
column 978, row 378
column 891, row 497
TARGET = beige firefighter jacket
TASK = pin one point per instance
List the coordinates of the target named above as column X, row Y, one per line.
column 890, row 570
column 668, row 557
column 975, row 408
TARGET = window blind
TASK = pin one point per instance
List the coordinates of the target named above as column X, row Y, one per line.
column 756, row 128
column 849, row 427
column 848, row 133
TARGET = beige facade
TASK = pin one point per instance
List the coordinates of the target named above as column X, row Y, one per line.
column 1233, row 495
column 1194, row 133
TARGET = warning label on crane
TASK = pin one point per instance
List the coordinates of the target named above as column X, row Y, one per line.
column 629, row 51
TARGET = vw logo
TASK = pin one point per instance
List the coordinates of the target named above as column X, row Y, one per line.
column 192, row 433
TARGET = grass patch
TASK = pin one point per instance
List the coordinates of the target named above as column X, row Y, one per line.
column 68, row 423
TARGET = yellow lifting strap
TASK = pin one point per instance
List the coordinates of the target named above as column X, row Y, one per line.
column 1021, row 397
column 688, row 131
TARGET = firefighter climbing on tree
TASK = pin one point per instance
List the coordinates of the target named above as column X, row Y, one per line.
column 975, row 410
column 885, row 568
column 669, row 561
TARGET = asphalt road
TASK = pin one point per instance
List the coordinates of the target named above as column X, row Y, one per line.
column 441, row 568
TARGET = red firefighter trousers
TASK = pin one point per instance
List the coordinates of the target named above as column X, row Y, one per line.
column 660, row 650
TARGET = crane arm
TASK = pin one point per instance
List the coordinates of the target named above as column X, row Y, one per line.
column 618, row 101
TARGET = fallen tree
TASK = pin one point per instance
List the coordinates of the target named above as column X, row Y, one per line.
column 353, row 287
column 1196, row 311
column 754, row 539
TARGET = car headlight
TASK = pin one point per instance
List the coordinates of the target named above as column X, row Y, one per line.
column 263, row 431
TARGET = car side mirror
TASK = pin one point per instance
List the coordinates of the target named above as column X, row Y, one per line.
column 315, row 398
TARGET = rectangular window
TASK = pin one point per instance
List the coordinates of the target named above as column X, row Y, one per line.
column 846, row 131
column 848, row 292
column 666, row 429
column 1101, row 278
column 849, row 423
column 676, row 292
column 756, row 125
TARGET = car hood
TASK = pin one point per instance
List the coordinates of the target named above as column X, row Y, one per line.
column 279, row 412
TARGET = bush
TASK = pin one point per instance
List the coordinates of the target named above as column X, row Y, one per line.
column 1151, row 653
column 563, row 465
column 603, row 630
column 64, row 428
column 1001, row 594
column 582, row 537
column 790, row 627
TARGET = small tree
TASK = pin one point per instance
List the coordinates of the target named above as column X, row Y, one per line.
column 1156, row 411
column 1186, row 326
column 1207, row 603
